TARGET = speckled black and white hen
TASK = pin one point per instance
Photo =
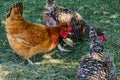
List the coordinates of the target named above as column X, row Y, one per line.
column 97, row 64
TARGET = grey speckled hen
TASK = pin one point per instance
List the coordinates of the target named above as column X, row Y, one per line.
column 97, row 64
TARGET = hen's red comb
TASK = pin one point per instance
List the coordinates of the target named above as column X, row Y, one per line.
column 102, row 38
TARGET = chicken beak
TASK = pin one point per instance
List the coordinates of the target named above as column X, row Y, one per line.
column 69, row 33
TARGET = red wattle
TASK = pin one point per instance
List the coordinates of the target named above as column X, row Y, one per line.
column 64, row 34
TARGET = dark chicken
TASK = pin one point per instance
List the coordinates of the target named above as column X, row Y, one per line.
column 80, row 30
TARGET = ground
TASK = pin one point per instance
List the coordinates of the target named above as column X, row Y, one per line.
column 103, row 14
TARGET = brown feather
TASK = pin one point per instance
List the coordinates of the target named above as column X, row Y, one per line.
column 27, row 38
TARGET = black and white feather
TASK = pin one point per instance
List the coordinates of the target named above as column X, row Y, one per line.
column 97, row 64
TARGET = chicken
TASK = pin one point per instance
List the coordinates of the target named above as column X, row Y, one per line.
column 97, row 64
column 52, row 22
column 59, row 14
column 29, row 39
column 80, row 29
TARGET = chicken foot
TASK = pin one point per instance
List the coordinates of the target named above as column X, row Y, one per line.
column 62, row 49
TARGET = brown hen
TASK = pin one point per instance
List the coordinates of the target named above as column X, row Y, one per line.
column 27, row 38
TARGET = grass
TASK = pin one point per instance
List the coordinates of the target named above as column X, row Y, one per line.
column 104, row 14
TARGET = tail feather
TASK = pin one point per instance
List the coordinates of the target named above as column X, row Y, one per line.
column 16, row 11
column 50, row 3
